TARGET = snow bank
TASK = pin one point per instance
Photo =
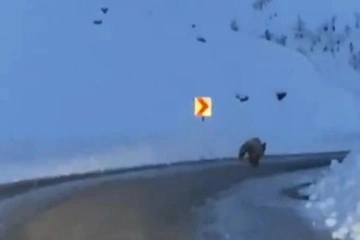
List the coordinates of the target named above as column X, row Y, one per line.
column 336, row 197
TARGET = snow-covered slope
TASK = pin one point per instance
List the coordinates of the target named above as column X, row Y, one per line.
column 327, row 34
column 133, row 79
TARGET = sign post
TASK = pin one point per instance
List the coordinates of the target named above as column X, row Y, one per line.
column 203, row 107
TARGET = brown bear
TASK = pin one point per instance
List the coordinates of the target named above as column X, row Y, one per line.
column 255, row 150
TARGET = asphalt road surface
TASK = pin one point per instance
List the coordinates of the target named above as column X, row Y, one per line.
column 158, row 203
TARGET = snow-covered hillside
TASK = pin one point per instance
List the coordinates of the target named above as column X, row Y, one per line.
column 133, row 78
column 327, row 34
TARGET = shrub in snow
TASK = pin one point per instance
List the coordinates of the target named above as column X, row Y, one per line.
column 330, row 26
column 351, row 47
column 333, row 23
column 354, row 61
column 97, row 22
column 259, row 4
column 299, row 28
column 234, row 26
column 314, row 41
column 331, row 39
column 310, row 37
column 301, row 51
column 281, row 40
column 347, row 30
column 280, row 95
column 243, row 98
column 336, row 195
column 332, row 50
column 201, row 39
column 273, row 16
column 104, row 10
column 267, row 35
column 357, row 20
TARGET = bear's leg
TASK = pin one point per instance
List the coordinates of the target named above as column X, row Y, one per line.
column 254, row 161
column 241, row 154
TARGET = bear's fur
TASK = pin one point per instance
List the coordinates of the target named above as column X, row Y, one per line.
column 255, row 150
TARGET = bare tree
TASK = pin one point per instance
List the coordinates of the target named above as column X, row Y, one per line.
column 354, row 61
column 267, row 35
column 234, row 26
column 281, row 40
column 357, row 20
column 299, row 28
column 259, row 4
column 333, row 23
column 347, row 30
column 351, row 47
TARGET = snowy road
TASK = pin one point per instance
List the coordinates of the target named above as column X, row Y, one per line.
column 150, row 204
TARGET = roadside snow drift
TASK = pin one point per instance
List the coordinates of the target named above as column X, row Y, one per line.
column 336, row 198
